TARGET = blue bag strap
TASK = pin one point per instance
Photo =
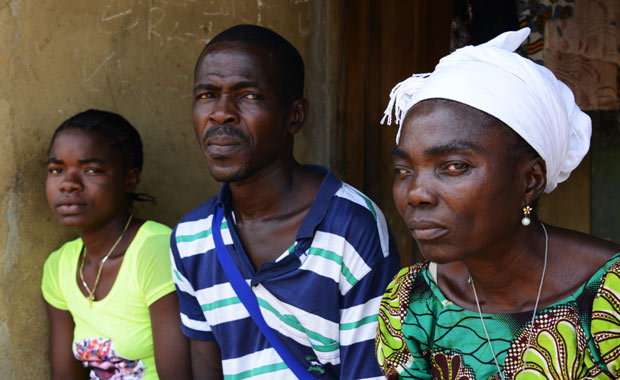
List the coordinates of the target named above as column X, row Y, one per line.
column 248, row 298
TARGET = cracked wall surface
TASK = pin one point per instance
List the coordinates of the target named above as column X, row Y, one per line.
column 133, row 57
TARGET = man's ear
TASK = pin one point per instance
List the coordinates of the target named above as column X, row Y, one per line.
column 297, row 115
column 535, row 179
column 132, row 179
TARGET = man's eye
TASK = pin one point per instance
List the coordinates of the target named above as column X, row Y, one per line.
column 54, row 170
column 251, row 96
column 205, row 95
column 456, row 166
column 94, row 171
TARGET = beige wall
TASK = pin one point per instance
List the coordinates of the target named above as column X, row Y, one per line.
column 133, row 57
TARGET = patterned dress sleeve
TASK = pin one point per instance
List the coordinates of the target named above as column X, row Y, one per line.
column 606, row 319
column 390, row 345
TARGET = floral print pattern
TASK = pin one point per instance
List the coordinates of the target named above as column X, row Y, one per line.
column 606, row 320
column 105, row 364
column 449, row 367
column 431, row 338
column 390, row 345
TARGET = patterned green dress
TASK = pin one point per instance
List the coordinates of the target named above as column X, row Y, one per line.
column 422, row 335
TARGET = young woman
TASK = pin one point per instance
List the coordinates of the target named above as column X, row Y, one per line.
column 109, row 294
column 503, row 295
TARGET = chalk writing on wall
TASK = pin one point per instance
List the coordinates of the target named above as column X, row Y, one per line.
column 172, row 27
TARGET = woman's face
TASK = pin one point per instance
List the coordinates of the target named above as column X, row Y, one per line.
column 454, row 183
column 87, row 183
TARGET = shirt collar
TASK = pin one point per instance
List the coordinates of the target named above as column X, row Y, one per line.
column 328, row 189
column 224, row 198
column 319, row 207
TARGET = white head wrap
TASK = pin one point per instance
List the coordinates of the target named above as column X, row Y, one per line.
column 524, row 95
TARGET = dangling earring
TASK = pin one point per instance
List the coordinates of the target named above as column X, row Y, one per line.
column 526, row 216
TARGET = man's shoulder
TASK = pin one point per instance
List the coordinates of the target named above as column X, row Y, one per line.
column 350, row 204
column 202, row 211
column 355, row 217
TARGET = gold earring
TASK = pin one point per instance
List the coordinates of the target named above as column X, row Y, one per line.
column 526, row 216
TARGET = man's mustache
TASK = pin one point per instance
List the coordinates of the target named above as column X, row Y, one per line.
column 224, row 130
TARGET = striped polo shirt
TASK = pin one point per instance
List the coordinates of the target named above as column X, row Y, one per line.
column 321, row 296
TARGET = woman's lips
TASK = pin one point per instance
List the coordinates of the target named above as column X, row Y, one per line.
column 427, row 230
column 428, row 233
column 69, row 208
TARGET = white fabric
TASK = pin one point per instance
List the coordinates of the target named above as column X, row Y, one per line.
column 524, row 95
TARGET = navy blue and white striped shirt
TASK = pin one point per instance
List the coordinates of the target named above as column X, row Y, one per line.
column 321, row 296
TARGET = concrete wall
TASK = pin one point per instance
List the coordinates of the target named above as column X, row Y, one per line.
column 133, row 57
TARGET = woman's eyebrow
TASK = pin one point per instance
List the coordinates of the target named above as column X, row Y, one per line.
column 91, row 161
column 399, row 153
column 54, row 160
column 450, row 148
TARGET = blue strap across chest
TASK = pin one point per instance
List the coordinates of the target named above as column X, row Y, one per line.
column 248, row 298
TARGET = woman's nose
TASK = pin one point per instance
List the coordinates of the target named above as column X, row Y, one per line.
column 419, row 191
column 71, row 182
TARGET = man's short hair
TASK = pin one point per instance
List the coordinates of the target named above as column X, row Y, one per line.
column 285, row 54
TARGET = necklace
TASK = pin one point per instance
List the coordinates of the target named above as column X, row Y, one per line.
column 91, row 293
column 527, row 347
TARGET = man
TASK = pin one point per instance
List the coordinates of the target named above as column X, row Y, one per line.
column 316, row 252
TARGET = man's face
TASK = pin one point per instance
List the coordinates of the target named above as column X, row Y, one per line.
column 240, row 114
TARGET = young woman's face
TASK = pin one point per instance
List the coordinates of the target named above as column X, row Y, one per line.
column 454, row 185
column 87, row 182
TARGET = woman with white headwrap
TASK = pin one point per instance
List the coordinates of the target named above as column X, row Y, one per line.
column 502, row 296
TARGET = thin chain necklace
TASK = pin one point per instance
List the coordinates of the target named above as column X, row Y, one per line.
column 527, row 347
column 91, row 293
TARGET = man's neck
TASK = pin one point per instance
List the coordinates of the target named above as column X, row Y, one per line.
column 265, row 193
column 271, row 206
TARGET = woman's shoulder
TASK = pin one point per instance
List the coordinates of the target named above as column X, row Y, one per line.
column 59, row 271
column 67, row 251
column 579, row 256
column 152, row 234
column 151, row 228
column 407, row 275
column 605, row 317
column 398, row 292
column 151, row 244
column 391, row 345
column 583, row 244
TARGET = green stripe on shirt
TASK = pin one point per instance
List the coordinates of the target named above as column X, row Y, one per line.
column 368, row 203
column 337, row 259
column 198, row 235
column 353, row 325
column 257, row 371
column 327, row 344
column 220, row 303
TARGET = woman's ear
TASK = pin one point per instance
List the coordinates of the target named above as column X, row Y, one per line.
column 535, row 176
column 132, row 180
column 297, row 115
